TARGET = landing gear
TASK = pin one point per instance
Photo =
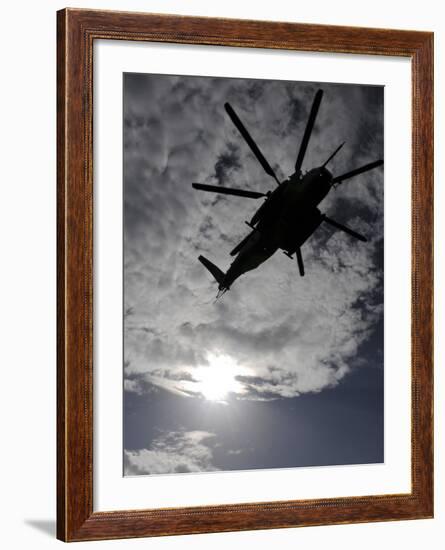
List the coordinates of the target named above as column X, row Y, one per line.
column 299, row 259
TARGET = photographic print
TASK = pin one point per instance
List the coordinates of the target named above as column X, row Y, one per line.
column 253, row 274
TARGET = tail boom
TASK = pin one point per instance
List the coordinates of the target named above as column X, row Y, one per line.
column 218, row 275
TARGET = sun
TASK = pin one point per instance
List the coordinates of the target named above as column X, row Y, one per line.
column 219, row 378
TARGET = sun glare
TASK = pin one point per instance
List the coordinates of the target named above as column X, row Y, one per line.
column 216, row 380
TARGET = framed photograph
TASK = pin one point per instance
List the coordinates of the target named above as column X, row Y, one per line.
column 245, row 232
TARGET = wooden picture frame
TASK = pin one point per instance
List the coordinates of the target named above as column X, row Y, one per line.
column 77, row 31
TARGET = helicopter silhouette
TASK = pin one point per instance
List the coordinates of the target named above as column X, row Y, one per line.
column 289, row 215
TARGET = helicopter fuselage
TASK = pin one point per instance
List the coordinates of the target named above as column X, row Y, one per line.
column 285, row 221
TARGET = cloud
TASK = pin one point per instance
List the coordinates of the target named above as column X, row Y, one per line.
column 289, row 335
column 134, row 386
column 172, row 452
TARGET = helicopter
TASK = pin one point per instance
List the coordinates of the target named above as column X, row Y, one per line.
column 289, row 215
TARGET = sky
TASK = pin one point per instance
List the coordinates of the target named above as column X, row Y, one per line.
column 282, row 371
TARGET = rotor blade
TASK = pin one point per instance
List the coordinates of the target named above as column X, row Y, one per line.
column 300, row 262
column 229, row 191
column 357, row 171
column 345, row 229
column 333, row 154
column 308, row 130
column 251, row 143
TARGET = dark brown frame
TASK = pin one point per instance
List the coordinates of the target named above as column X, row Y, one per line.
column 77, row 30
